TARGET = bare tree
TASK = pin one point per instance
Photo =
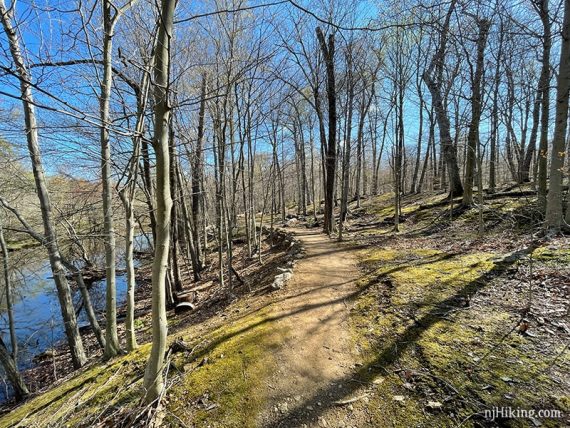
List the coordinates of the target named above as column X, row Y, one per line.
column 554, row 219
column 542, row 9
column 483, row 26
column 153, row 379
column 433, row 77
column 328, row 50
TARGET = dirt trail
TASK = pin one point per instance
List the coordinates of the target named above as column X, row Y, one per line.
column 317, row 351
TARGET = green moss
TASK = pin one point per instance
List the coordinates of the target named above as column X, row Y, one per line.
column 225, row 391
column 239, row 357
column 551, row 255
column 412, row 315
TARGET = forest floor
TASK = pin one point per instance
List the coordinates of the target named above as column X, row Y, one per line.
column 430, row 326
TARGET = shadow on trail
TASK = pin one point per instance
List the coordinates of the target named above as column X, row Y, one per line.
column 324, row 399
column 308, row 307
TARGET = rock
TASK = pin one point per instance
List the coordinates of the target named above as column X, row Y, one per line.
column 283, row 408
column 281, row 279
column 180, row 346
column 46, row 355
column 434, row 405
column 292, row 222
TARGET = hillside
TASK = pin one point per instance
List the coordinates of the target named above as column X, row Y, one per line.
column 427, row 327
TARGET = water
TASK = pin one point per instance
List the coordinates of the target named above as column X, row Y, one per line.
column 37, row 314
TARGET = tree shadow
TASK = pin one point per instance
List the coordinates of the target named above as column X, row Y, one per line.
column 308, row 411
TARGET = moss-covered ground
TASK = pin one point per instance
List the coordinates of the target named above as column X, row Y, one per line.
column 214, row 385
column 451, row 324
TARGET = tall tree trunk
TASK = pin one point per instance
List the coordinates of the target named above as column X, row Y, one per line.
column 414, row 187
column 493, row 158
column 174, row 217
column 554, row 218
column 473, row 137
column 63, row 291
column 198, row 174
column 148, row 188
column 347, row 148
column 112, row 347
column 189, row 227
column 431, row 138
column 360, row 164
column 434, row 86
column 87, row 305
column 542, row 6
column 153, row 378
column 131, row 338
column 531, row 148
column 127, row 195
column 330, row 152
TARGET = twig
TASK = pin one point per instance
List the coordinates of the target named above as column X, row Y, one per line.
column 350, row 400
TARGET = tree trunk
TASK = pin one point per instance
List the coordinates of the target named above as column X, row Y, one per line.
column 153, row 378
column 554, row 218
column 87, row 305
column 493, row 158
column 430, row 144
column 434, row 86
column 361, row 166
column 414, row 187
column 112, row 347
column 148, row 188
column 12, row 372
column 347, row 148
column 189, row 227
column 8, row 291
column 473, row 137
column 127, row 195
column 545, row 114
column 131, row 279
column 174, row 231
column 330, row 151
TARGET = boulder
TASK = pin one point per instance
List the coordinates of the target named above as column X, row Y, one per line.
column 281, row 279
